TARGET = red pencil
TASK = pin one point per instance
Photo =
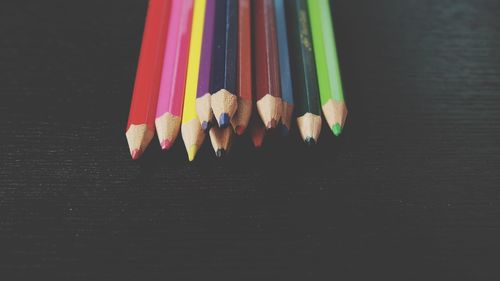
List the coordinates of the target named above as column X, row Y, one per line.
column 267, row 90
column 141, row 121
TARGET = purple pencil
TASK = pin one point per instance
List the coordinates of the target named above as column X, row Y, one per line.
column 203, row 106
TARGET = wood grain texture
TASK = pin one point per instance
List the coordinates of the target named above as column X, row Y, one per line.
column 410, row 189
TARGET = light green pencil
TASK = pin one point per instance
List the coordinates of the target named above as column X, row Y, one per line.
column 327, row 65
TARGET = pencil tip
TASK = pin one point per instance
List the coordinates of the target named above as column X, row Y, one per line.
column 220, row 153
column 192, row 152
column 239, row 130
column 136, row 153
column 224, row 120
column 337, row 129
column 166, row 144
column 310, row 141
column 271, row 124
column 283, row 129
column 205, row 126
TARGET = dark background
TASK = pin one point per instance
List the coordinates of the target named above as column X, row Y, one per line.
column 410, row 191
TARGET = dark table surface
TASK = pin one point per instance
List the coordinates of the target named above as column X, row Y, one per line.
column 410, row 191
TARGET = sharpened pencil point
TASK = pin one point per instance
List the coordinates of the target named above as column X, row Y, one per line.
column 166, row 145
column 136, row 153
column 205, row 126
column 239, row 130
column 271, row 124
column 310, row 141
column 192, row 152
column 337, row 129
column 224, row 120
column 220, row 153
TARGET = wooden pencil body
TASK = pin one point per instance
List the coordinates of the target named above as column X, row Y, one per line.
column 171, row 96
column 140, row 126
column 284, row 66
column 203, row 105
column 307, row 105
column 244, row 79
column 224, row 73
column 267, row 88
column 192, row 133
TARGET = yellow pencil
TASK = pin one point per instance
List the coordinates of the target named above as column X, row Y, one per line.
column 192, row 133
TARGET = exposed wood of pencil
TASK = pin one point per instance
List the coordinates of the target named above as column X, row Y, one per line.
column 140, row 126
column 309, row 127
column 284, row 66
column 221, row 140
column 335, row 114
column 138, row 138
column 203, row 105
column 193, row 137
column 244, row 82
column 223, row 101
column 307, row 105
column 167, row 128
column 269, row 104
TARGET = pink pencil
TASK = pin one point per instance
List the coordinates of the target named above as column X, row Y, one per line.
column 173, row 80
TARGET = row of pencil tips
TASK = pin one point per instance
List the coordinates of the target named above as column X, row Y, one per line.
column 214, row 66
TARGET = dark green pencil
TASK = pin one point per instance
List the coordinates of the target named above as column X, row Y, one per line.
column 305, row 85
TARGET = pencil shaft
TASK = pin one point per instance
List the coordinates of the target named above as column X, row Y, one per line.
column 244, row 79
column 191, row 128
column 266, row 50
column 327, row 65
column 175, row 61
column 140, row 125
column 325, row 51
column 302, row 59
column 206, row 50
column 284, row 57
column 225, row 48
column 147, row 81
column 189, row 111
column 244, row 51
column 267, row 88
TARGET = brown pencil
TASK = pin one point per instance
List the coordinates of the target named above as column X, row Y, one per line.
column 221, row 140
column 244, row 79
column 268, row 92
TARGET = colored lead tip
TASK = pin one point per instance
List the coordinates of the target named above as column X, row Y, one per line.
column 271, row 124
column 136, row 153
column 192, row 152
column 166, row 145
column 283, row 129
column 224, row 120
column 205, row 126
column 239, row 130
column 220, row 153
column 310, row 141
column 337, row 129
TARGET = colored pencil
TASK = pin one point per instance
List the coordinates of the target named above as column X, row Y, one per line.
column 284, row 66
column 173, row 81
column 203, row 106
column 141, row 122
column 244, row 81
column 327, row 65
column 221, row 140
column 269, row 103
column 192, row 133
column 224, row 101
column 305, row 83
